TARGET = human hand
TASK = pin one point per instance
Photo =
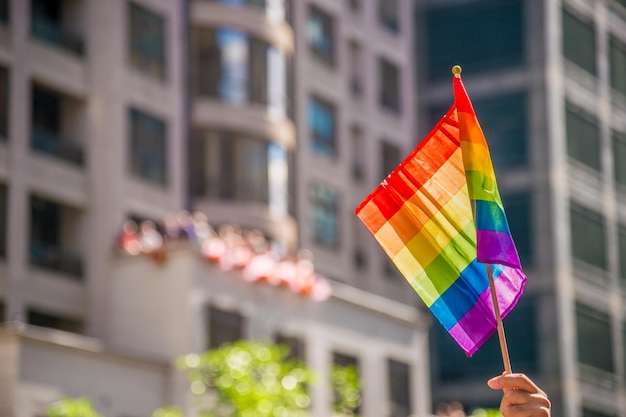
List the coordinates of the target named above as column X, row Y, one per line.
column 521, row 397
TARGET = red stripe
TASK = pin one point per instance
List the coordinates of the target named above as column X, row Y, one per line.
column 413, row 172
column 461, row 98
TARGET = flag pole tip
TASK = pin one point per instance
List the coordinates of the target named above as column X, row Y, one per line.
column 456, row 70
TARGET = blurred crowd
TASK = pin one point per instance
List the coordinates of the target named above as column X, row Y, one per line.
column 248, row 252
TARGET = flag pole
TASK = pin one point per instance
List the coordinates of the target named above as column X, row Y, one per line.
column 501, row 336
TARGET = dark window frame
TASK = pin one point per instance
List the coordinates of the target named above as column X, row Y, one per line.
column 153, row 146
column 147, row 40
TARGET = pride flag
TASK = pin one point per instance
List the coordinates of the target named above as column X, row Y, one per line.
column 439, row 217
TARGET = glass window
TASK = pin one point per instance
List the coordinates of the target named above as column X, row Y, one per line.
column 356, row 69
column 295, row 345
column 522, row 339
column 617, row 52
column 319, row 32
column 147, row 41
column 4, row 103
column 389, row 82
column 579, row 42
column 487, row 35
column 583, row 137
column 258, row 70
column 54, row 321
column 588, row 236
column 619, row 156
column 342, row 359
column 236, row 167
column 51, row 21
column 504, row 120
column 621, row 231
column 389, row 15
column 148, row 156
column 325, row 213
column 595, row 346
column 588, row 412
column 399, row 374
column 224, row 327
column 518, row 208
column 321, row 115
column 4, row 203
column 358, row 154
column 4, row 11
column 390, row 158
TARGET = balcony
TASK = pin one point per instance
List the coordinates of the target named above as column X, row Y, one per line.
column 55, row 258
column 57, row 35
column 53, row 144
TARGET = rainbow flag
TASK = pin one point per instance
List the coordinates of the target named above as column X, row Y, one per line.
column 439, row 217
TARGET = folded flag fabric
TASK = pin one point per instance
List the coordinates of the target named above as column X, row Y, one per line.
column 440, row 218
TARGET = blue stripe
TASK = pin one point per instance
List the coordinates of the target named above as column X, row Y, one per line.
column 490, row 216
column 453, row 304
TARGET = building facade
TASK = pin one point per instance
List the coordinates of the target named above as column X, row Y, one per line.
column 548, row 83
column 278, row 116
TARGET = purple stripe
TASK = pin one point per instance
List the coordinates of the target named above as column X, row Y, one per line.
column 479, row 322
column 496, row 248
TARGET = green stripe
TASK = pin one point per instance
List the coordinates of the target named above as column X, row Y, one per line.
column 479, row 185
column 447, row 266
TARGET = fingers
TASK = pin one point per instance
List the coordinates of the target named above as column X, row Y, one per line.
column 518, row 403
column 513, row 382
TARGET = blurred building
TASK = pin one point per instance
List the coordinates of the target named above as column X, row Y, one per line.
column 274, row 115
column 548, row 83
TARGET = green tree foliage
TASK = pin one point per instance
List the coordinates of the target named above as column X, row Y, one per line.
column 485, row 412
column 255, row 379
column 72, row 407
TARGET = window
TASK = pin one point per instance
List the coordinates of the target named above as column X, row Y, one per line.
column 321, row 115
column 617, row 57
column 4, row 103
column 389, row 86
column 503, row 120
column 319, row 33
column 390, row 158
column 399, row 375
column 487, row 35
column 53, row 321
column 295, row 345
column 518, row 208
column 235, row 166
column 341, row 359
column 4, row 203
column 148, row 156
column 147, row 41
column 619, row 156
column 325, row 213
column 520, row 325
column 356, row 69
column 358, row 154
column 588, row 412
column 588, row 236
column 4, row 11
column 595, row 347
column 230, row 65
column 50, row 22
column 579, row 42
column 51, row 228
column 257, row 3
column 621, row 239
column 389, row 15
column 583, row 138
column 359, row 255
column 224, row 327
column 50, row 112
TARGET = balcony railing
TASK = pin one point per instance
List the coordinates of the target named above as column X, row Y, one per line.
column 53, row 33
column 55, row 258
column 52, row 144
